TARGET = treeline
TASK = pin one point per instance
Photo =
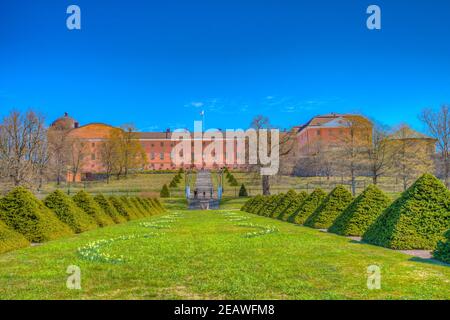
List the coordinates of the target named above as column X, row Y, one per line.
column 418, row 219
column 24, row 219
column 366, row 149
column 31, row 153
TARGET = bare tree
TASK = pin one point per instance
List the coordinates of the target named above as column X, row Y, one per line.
column 438, row 125
column 285, row 146
column 378, row 156
column 77, row 156
column 356, row 138
column 411, row 155
column 59, row 151
column 23, row 147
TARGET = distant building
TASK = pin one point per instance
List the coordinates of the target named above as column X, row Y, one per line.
column 323, row 131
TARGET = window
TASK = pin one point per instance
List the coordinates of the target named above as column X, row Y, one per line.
column 162, row 144
column 93, row 144
column 318, row 132
column 93, row 156
column 152, row 155
column 161, row 156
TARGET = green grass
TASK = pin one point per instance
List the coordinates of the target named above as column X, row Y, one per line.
column 207, row 255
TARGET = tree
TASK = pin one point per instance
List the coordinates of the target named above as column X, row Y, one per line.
column 285, row 146
column 355, row 141
column 411, row 155
column 78, row 150
column 378, row 156
column 110, row 155
column 23, row 148
column 59, row 151
column 243, row 191
column 438, row 125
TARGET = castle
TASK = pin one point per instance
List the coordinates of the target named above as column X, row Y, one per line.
column 321, row 131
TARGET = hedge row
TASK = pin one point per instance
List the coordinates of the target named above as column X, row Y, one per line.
column 419, row 219
column 25, row 219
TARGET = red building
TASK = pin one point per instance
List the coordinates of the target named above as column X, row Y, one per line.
column 326, row 130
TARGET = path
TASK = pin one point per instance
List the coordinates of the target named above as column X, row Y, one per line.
column 203, row 196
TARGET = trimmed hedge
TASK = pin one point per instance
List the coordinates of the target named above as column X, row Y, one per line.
column 308, row 206
column 417, row 220
column 361, row 213
column 86, row 202
column 331, row 208
column 10, row 239
column 109, row 209
column 248, row 204
column 284, row 204
column 68, row 212
column 264, row 208
column 128, row 214
column 130, row 207
column 255, row 202
column 294, row 206
column 442, row 251
column 165, row 193
column 272, row 207
column 23, row 212
column 155, row 204
column 142, row 212
column 259, row 204
column 243, row 191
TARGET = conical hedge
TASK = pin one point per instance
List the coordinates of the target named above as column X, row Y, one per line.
column 283, row 203
column 291, row 199
column 23, row 212
column 84, row 201
column 121, row 208
column 265, row 209
column 417, row 220
column 442, row 251
column 272, row 207
column 260, row 207
column 158, row 204
column 361, row 213
column 255, row 203
column 109, row 209
column 147, row 207
column 308, row 206
column 165, row 193
column 10, row 239
column 331, row 207
column 247, row 204
column 126, row 201
column 294, row 206
column 68, row 212
column 137, row 205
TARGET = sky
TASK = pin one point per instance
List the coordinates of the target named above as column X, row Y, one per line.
column 158, row 64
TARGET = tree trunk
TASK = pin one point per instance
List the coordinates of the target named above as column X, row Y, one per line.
column 375, row 179
column 266, row 185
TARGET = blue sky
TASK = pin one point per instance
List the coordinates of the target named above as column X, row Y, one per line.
column 159, row 63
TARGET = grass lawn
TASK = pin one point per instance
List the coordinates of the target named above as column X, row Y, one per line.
column 207, row 254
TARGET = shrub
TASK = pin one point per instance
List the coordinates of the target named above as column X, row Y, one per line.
column 255, row 203
column 308, row 206
column 23, row 212
column 109, row 209
column 260, row 208
column 131, row 207
column 158, row 204
column 243, row 191
column 361, row 213
column 135, row 202
column 147, row 207
column 173, row 184
column 442, row 251
column 84, row 201
column 284, row 203
column 416, row 220
column 273, row 205
column 68, row 212
column 10, row 239
column 165, row 193
column 293, row 206
column 248, row 204
column 330, row 208
column 122, row 209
